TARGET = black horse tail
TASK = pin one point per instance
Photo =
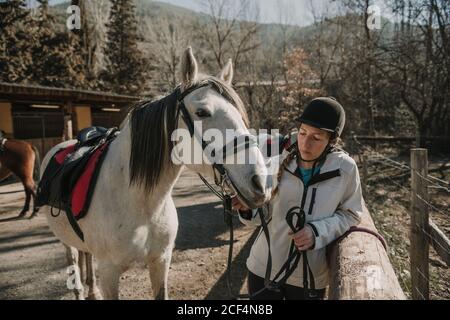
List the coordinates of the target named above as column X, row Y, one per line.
column 37, row 165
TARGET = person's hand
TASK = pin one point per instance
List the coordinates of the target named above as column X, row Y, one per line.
column 303, row 239
column 237, row 205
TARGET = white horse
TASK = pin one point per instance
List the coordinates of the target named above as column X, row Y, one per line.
column 132, row 216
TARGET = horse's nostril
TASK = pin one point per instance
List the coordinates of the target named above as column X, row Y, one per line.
column 258, row 183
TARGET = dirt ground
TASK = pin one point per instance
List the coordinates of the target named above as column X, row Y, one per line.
column 33, row 264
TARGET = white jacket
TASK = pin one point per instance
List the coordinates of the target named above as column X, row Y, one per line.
column 337, row 206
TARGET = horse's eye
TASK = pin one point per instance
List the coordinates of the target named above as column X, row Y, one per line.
column 202, row 113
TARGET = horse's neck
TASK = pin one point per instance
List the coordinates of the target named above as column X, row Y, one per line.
column 167, row 180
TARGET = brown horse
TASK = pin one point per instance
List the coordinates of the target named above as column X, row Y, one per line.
column 22, row 159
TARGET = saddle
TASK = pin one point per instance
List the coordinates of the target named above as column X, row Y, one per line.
column 69, row 179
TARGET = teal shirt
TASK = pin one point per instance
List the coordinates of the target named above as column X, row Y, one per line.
column 306, row 174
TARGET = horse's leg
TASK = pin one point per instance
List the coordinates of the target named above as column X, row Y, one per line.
column 29, row 187
column 109, row 275
column 26, row 206
column 33, row 195
column 77, row 284
column 94, row 292
column 4, row 172
column 33, row 173
column 159, row 272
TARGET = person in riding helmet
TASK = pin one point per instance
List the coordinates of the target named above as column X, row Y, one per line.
column 316, row 198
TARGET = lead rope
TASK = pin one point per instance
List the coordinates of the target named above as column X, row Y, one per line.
column 228, row 219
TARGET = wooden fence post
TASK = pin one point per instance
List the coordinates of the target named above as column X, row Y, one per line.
column 419, row 240
column 68, row 124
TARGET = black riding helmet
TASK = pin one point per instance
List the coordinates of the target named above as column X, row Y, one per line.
column 324, row 113
column 327, row 114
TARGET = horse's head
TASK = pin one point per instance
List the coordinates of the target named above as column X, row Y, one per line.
column 217, row 121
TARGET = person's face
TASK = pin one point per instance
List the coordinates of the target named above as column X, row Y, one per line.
column 312, row 141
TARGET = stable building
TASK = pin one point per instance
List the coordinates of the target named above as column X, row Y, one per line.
column 43, row 115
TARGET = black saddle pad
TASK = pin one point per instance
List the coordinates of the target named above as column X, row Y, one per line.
column 69, row 164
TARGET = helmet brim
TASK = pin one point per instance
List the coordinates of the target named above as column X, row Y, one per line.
column 314, row 124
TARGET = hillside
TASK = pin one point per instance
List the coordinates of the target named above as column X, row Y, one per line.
column 270, row 34
column 148, row 10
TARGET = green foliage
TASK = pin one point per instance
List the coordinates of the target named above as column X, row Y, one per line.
column 15, row 53
column 55, row 60
column 126, row 64
column 32, row 51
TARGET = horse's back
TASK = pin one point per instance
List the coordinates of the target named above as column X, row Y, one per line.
column 52, row 152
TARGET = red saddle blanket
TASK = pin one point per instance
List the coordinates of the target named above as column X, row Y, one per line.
column 85, row 180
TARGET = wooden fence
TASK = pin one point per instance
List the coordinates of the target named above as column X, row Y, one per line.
column 423, row 231
column 360, row 267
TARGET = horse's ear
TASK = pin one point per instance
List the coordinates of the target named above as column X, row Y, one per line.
column 227, row 72
column 189, row 68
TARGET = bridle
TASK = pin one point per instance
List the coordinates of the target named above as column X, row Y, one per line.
column 221, row 177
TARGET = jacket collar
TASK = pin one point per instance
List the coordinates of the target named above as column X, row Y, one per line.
column 332, row 162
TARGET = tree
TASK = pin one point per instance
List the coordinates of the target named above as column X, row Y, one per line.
column 298, row 89
column 15, row 40
column 395, row 80
column 125, row 66
column 230, row 32
column 417, row 64
column 166, row 41
column 55, row 60
column 90, row 40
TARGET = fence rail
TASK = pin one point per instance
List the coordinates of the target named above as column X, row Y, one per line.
column 360, row 268
column 400, row 138
column 440, row 242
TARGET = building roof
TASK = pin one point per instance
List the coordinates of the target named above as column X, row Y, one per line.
column 12, row 92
